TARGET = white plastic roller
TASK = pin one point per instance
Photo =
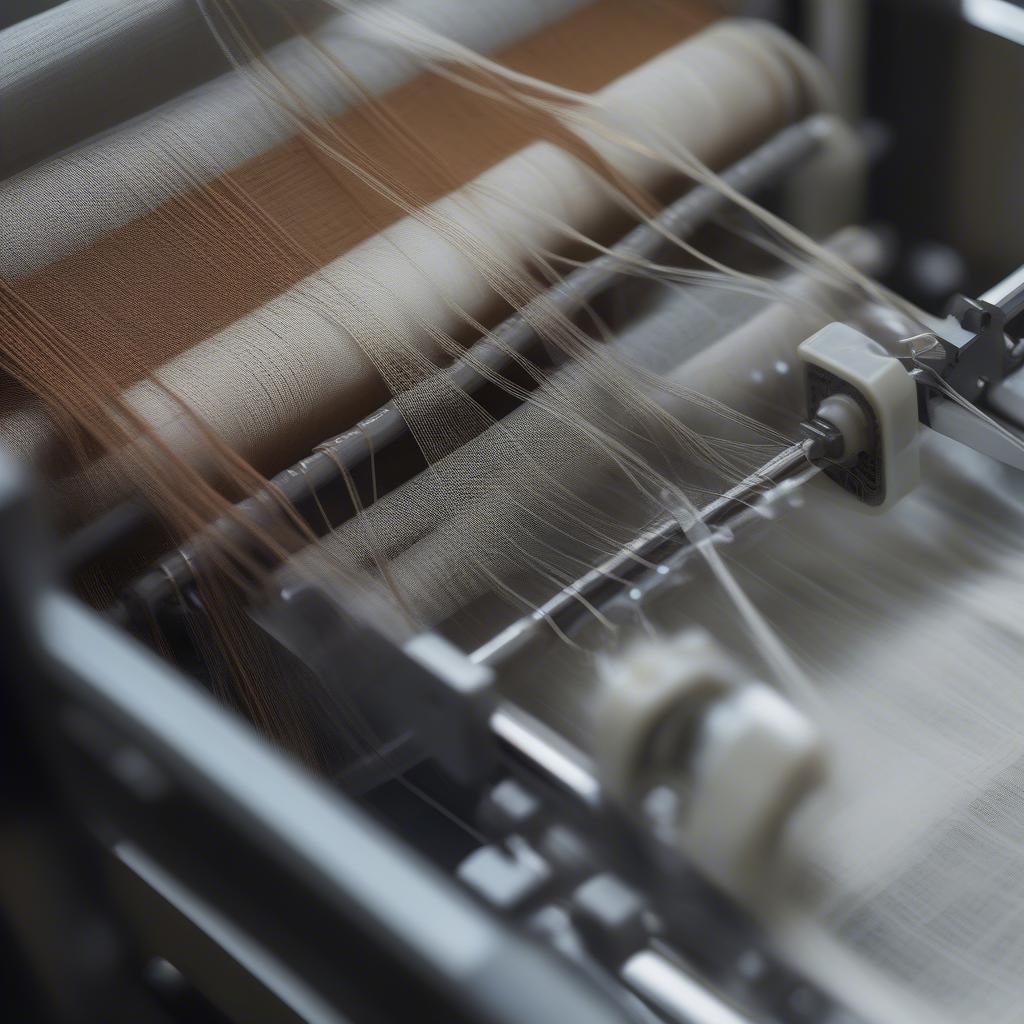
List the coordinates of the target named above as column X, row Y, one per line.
column 655, row 693
column 758, row 756
column 681, row 719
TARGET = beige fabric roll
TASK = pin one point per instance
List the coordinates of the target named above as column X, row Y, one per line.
column 96, row 64
column 281, row 379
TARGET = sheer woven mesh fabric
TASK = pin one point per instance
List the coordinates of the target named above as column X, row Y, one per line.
column 911, row 628
column 553, row 481
column 203, row 279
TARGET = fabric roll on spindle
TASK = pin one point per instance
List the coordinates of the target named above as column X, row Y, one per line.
column 292, row 372
column 86, row 69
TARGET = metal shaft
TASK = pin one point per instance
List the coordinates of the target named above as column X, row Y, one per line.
column 665, row 544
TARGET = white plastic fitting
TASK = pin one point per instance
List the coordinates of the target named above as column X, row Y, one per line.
column 655, row 693
column 680, row 718
column 856, row 368
column 757, row 758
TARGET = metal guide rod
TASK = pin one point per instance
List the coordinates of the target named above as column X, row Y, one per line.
column 666, row 543
column 373, row 436
column 675, row 992
column 543, row 753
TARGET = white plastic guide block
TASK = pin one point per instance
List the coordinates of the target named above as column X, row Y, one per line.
column 856, row 367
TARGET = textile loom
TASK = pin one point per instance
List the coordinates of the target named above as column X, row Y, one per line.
column 513, row 510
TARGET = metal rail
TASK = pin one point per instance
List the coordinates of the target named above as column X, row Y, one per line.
column 666, row 544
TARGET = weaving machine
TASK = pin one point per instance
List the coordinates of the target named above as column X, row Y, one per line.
column 489, row 535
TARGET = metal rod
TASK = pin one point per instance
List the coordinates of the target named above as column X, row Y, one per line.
column 666, row 543
column 380, row 432
column 675, row 992
column 532, row 745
